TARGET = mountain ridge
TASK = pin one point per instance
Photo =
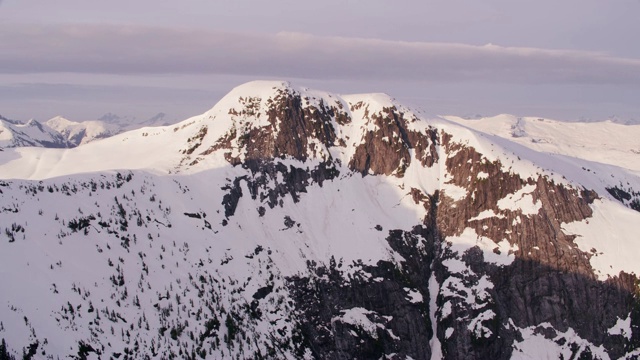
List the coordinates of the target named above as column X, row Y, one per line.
column 59, row 132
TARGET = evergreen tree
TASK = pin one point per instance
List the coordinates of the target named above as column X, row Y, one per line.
column 4, row 352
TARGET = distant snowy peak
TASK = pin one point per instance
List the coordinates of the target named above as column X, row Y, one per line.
column 59, row 132
column 79, row 133
column 83, row 132
column 32, row 133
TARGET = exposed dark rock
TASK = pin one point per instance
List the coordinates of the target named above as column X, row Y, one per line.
column 193, row 215
column 261, row 211
column 323, row 298
column 231, row 198
column 270, row 182
column 619, row 194
column 288, row 222
column 385, row 150
column 263, row 292
column 628, row 197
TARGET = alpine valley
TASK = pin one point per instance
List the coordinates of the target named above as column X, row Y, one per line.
column 292, row 223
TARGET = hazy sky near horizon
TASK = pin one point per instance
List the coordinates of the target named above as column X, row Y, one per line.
column 566, row 59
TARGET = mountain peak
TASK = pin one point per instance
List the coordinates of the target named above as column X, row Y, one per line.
column 59, row 120
column 266, row 120
column 31, row 133
column 270, row 119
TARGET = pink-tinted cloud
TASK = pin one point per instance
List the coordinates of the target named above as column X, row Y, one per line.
column 113, row 49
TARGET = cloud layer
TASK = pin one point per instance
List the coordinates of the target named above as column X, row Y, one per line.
column 113, row 49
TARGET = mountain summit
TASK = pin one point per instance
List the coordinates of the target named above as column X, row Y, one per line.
column 292, row 223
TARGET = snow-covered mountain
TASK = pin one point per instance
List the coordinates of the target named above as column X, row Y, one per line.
column 32, row 133
column 291, row 223
column 79, row 133
column 60, row 132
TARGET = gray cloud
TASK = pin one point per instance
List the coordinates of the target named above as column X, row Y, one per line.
column 112, row 49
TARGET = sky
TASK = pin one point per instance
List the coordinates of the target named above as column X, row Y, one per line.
column 567, row 59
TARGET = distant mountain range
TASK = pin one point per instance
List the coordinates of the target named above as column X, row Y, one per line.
column 288, row 223
column 59, row 132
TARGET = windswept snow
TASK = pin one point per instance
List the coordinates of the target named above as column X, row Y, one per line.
column 486, row 214
column 521, row 200
column 413, row 295
column 359, row 317
column 622, row 328
column 565, row 345
column 501, row 253
column 604, row 142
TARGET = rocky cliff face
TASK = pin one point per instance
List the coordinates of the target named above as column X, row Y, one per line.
column 331, row 228
column 549, row 281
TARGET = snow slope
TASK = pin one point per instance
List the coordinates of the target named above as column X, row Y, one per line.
column 604, row 142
